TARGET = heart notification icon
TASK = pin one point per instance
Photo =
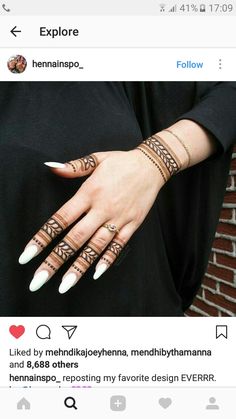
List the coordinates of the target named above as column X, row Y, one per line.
column 17, row 331
column 165, row 402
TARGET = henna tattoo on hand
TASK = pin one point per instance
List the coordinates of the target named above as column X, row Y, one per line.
column 162, row 150
column 39, row 243
column 156, row 149
column 114, row 249
column 88, row 162
column 51, row 229
column 165, row 178
column 50, row 265
column 77, row 268
column 73, row 165
column 85, row 163
column 65, row 249
column 107, row 261
column 89, row 255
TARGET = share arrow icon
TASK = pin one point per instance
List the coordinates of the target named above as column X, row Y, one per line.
column 70, row 330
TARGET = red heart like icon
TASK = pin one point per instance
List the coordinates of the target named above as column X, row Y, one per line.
column 17, row 331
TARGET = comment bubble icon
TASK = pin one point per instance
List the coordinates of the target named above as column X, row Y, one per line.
column 43, row 332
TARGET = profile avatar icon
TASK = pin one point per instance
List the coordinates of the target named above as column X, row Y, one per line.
column 17, row 64
column 212, row 405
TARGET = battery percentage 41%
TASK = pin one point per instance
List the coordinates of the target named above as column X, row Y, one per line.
column 189, row 8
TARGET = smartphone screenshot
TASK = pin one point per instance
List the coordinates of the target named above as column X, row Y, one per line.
column 117, row 209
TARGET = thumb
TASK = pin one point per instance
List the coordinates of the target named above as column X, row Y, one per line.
column 80, row 167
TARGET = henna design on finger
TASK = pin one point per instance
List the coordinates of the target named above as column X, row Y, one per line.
column 77, row 268
column 107, row 261
column 88, row 162
column 54, row 226
column 39, row 243
column 65, row 249
column 84, row 164
column 51, row 229
column 86, row 258
column 50, row 265
column 74, row 167
column 89, row 255
column 114, row 249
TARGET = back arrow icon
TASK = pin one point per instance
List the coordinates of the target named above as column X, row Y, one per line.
column 14, row 31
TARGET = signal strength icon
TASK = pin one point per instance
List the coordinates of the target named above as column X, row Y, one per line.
column 173, row 9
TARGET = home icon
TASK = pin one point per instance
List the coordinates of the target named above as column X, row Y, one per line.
column 23, row 404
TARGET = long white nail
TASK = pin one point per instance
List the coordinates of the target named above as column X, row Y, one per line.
column 39, row 280
column 55, row 164
column 28, row 254
column 100, row 270
column 68, row 282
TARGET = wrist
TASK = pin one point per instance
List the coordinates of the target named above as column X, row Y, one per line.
column 147, row 168
column 161, row 156
column 177, row 146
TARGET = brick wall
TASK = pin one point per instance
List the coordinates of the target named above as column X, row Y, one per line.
column 217, row 296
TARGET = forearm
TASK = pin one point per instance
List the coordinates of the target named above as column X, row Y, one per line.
column 198, row 141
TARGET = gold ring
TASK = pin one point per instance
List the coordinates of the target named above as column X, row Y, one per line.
column 112, row 228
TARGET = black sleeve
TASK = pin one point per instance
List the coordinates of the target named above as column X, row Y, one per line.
column 216, row 111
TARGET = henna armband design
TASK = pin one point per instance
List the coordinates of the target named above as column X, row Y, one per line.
column 161, row 155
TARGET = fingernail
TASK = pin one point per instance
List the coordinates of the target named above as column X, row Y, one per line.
column 28, row 254
column 39, row 280
column 55, row 164
column 100, row 270
column 68, row 282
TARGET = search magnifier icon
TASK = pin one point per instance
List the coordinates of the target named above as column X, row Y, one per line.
column 70, row 403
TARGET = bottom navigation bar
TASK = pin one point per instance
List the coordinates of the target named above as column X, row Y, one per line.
column 138, row 403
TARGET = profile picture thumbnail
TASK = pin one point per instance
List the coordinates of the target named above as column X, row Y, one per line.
column 17, row 64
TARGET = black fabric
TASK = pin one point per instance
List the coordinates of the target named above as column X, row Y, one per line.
column 164, row 262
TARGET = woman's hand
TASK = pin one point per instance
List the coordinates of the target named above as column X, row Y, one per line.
column 111, row 204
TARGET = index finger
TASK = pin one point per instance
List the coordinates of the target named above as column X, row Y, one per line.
column 53, row 227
